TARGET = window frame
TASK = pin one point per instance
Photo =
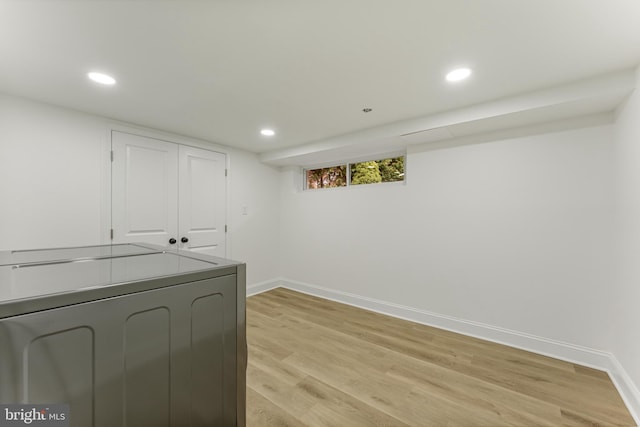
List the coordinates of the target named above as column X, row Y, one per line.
column 347, row 164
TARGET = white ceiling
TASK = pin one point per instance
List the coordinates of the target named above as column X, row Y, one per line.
column 220, row 70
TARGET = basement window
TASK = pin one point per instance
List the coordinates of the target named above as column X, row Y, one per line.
column 331, row 177
column 368, row 172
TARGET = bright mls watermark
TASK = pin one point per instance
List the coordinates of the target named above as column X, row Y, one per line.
column 52, row 415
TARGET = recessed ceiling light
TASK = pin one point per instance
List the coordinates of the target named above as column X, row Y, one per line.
column 102, row 78
column 458, row 74
column 268, row 132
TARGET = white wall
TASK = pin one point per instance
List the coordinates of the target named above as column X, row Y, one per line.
column 50, row 175
column 54, row 186
column 625, row 297
column 256, row 235
column 514, row 234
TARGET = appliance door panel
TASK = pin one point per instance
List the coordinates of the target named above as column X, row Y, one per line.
column 165, row 357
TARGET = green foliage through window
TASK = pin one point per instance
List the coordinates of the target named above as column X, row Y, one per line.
column 365, row 173
column 391, row 169
column 369, row 172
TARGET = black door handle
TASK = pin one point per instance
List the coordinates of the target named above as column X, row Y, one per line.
column 172, row 241
column 184, row 240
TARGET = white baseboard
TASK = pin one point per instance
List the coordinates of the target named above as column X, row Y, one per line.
column 559, row 350
column 258, row 288
column 627, row 389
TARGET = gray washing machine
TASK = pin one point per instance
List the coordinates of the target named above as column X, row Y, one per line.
column 126, row 335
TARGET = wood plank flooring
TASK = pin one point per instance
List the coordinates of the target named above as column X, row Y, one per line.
column 314, row 362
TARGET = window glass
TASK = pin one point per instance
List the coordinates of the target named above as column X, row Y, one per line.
column 335, row 176
column 374, row 171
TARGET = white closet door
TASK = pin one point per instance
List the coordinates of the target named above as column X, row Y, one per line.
column 202, row 201
column 144, row 189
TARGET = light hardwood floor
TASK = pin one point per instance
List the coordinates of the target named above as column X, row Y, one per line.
column 314, row 362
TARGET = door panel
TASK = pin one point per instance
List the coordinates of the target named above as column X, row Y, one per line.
column 202, row 207
column 145, row 189
column 163, row 190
